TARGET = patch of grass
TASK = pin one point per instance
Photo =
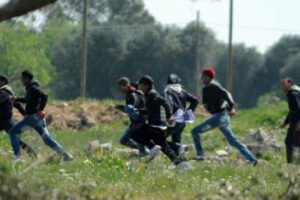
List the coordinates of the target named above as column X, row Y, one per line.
column 111, row 176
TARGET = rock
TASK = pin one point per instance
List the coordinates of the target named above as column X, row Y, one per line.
column 86, row 121
column 222, row 153
column 95, row 145
column 49, row 119
column 259, row 136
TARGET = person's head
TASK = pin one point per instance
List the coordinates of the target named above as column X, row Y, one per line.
column 173, row 79
column 208, row 74
column 26, row 77
column 286, row 84
column 3, row 80
column 124, row 84
column 146, row 83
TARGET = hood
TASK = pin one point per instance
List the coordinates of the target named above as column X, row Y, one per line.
column 295, row 87
column 33, row 84
column 8, row 88
column 175, row 87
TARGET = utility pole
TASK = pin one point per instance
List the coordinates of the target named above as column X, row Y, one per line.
column 197, row 57
column 229, row 76
column 84, row 50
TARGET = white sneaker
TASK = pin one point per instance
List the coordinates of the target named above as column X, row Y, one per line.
column 154, row 152
column 201, row 158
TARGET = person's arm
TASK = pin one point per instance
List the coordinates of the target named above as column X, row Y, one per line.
column 168, row 97
column 227, row 97
column 20, row 99
column 192, row 100
column 164, row 103
column 42, row 96
column 20, row 108
column 4, row 96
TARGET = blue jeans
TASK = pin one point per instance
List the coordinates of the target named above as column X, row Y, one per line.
column 39, row 125
column 221, row 121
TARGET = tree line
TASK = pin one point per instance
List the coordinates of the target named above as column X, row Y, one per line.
column 124, row 39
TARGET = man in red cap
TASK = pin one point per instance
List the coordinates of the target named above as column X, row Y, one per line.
column 220, row 104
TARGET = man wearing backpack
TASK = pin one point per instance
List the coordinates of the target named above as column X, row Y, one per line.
column 35, row 100
column 135, row 104
column 6, row 111
column 178, row 98
column 293, row 118
column 220, row 104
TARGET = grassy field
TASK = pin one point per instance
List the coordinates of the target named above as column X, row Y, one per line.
column 115, row 176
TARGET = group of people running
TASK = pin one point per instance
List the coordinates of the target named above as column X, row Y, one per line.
column 151, row 116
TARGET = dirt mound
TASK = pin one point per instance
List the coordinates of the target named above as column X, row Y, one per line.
column 77, row 115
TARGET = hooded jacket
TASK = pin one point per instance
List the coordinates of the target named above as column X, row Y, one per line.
column 178, row 98
column 216, row 99
column 6, row 104
column 136, row 99
column 158, row 109
column 293, row 98
column 35, row 99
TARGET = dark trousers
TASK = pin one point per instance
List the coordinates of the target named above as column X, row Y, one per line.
column 176, row 134
column 150, row 137
column 7, row 125
column 127, row 140
column 292, row 140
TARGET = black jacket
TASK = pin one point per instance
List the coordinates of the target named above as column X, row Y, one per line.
column 293, row 98
column 179, row 100
column 158, row 109
column 35, row 99
column 6, row 104
column 136, row 98
column 216, row 99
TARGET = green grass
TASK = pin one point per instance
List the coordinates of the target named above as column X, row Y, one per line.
column 108, row 176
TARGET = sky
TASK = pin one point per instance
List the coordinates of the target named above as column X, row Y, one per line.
column 257, row 23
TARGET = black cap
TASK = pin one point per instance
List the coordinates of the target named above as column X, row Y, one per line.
column 123, row 81
column 174, row 79
column 27, row 74
column 4, row 79
column 146, row 80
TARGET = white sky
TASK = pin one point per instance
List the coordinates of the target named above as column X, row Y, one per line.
column 258, row 23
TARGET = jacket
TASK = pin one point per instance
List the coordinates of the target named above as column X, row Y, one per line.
column 178, row 98
column 157, row 109
column 216, row 99
column 35, row 99
column 136, row 99
column 293, row 98
column 6, row 104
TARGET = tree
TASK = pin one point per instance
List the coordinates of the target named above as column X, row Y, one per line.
column 20, row 7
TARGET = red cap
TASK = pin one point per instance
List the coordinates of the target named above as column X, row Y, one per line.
column 209, row 71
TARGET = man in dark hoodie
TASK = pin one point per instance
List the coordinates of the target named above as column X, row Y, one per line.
column 35, row 100
column 135, row 104
column 6, row 111
column 220, row 104
column 159, row 114
column 293, row 118
column 178, row 98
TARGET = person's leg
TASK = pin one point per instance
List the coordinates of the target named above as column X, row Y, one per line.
column 289, row 144
column 176, row 136
column 233, row 141
column 14, row 133
column 127, row 141
column 160, row 138
column 40, row 127
column 208, row 125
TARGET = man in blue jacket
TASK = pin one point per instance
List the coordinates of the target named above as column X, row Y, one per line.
column 35, row 100
column 178, row 98
column 220, row 104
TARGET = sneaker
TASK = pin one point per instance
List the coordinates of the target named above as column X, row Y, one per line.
column 67, row 157
column 201, row 158
column 154, row 152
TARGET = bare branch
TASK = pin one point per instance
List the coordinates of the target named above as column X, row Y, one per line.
column 16, row 8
